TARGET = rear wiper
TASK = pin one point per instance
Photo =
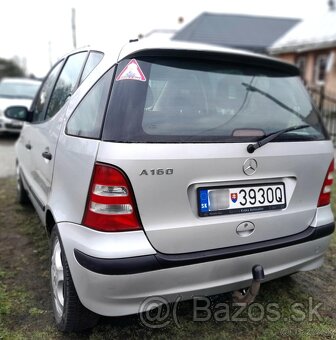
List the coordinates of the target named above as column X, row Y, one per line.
column 273, row 99
column 268, row 138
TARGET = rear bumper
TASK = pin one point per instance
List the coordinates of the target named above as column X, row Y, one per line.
column 159, row 261
column 114, row 272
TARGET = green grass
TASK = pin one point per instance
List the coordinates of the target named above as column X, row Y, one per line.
column 25, row 310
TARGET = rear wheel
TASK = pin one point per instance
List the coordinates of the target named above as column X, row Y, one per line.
column 70, row 314
column 21, row 193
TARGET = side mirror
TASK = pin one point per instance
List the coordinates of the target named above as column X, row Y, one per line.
column 18, row 113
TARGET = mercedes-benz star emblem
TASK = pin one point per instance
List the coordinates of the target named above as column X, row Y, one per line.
column 250, row 166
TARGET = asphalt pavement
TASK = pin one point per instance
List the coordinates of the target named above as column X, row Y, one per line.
column 7, row 155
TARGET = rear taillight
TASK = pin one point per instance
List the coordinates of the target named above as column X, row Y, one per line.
column 110, row 205
column 325, row 194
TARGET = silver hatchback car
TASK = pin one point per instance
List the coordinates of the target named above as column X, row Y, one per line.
column 172, row 170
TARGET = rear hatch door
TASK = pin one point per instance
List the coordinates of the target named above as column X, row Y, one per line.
column 179, row 128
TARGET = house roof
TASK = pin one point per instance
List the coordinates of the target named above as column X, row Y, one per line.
column 160, row 34
column 255, row 33
column 314, row 33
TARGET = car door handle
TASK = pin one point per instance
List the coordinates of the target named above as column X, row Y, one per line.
column 47, row 155
column 28, row 146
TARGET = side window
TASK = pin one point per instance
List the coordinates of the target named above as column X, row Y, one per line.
column 320, row 69
column 38, row 109
column 93, row 60
column 301, row 64
column 66, row 83
column 87, row 118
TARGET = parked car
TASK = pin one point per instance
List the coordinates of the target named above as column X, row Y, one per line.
column 172, row 170
column 15, row 91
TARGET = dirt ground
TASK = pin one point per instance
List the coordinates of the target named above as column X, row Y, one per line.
column 25, row 309
column 7, row 155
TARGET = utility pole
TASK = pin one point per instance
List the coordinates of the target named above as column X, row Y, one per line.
column 50, row 54
column 73, row 27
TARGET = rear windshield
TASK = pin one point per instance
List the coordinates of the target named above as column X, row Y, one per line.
column 185, row 100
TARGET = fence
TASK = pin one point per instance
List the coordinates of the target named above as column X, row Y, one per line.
column 326, row 103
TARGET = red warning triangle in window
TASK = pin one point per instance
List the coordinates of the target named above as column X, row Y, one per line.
column 132, row 71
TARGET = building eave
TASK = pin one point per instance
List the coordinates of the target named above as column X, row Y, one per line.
column 304, row 47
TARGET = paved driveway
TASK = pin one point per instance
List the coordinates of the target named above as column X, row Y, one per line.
column 7, row 157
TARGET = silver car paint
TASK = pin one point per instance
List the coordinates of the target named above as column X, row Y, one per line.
column 123, row 294
column 65, row 178
column 174, row 196
column 38, row 171
column 72, row 179
column 168, row 207
column 75, row 162
column 4, row 120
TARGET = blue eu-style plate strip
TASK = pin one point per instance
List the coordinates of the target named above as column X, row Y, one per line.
column 204, row 201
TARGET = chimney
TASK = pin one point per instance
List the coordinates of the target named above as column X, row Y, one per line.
column 332, row 6
column 180, row 20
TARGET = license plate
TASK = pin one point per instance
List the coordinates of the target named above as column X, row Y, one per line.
column 16, row 125
column 240, row 199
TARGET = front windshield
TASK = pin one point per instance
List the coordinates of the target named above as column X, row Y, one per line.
column 190, row 101
column 18, row 89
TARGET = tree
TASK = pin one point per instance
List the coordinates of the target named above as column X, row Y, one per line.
column 9, row 68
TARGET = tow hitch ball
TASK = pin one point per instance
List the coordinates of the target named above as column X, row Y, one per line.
column 248, row 296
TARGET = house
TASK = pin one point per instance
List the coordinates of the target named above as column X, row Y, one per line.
column 311, row 45
column 254, row 33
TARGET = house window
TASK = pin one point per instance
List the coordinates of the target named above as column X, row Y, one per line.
column 320, row 69
column 301, row 65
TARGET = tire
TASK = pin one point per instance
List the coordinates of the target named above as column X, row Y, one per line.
column 70, row 315
column 21, row 193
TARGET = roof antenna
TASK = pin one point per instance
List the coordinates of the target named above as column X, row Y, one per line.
column 332, row 6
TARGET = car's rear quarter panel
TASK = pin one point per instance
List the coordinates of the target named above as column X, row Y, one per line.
column 72, row 175
column 74, row 160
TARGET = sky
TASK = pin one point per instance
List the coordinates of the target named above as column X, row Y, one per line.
column 39, row 31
